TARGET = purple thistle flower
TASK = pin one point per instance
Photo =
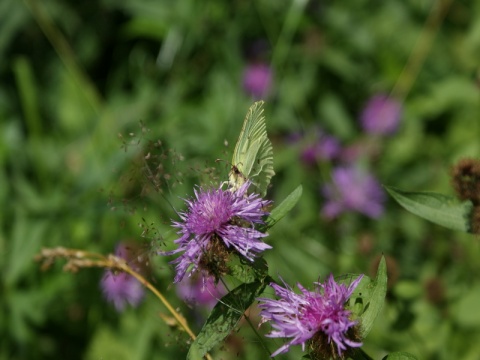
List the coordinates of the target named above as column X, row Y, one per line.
column 257, row 80
column 381, row 115
column 293, row 137
column 121, row 288
column 200, row 290
column 218, row 216
column 353, row 190
column 311, row 316
column 326, row 148
column 361, row 149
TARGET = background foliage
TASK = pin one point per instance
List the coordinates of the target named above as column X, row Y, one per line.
column 88, row 88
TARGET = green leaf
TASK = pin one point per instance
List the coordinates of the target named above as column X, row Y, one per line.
column 438, row 208
column 224, row 317
column 24, row 75
column 375, row 302
column 464, row 311
column 367, row 299
column 26, row 241
column 247, row 271
column 359, row 354
column 334, row 116
column 285, row 206
column 400, row 356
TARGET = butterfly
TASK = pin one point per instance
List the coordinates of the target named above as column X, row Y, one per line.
column 253, row 155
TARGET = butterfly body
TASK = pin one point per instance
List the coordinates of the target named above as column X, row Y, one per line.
column 253, row 155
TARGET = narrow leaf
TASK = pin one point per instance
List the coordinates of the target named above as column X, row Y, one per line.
column 224, row 317
column 247, row 271
column 359, row 354
column 438, row 208
column 285, row 206
column 367, row 299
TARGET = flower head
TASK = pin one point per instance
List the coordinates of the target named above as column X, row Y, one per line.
column 327, row 147
column 257, row 80
column 353, row 190
column 216, row 222
column 200, row 290
column 317, row 318
column 316, row 145
column 121, row 289
column 465, row 178
column 381, row 115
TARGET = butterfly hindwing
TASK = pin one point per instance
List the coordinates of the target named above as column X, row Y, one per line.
column 253, row 154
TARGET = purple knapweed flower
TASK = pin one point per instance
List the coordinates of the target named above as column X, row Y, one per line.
column 381, row 115
column 257, row 80
column 121, row 288
column 293, row 137
column 363, row 149
column 200, row 290
column 218, row 217
column 353, row 190
column 315, row 318
column 327, row 147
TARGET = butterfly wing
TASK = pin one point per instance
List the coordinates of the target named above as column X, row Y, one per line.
column 253, row 154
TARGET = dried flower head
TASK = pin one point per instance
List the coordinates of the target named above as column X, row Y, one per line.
column 352, row 190
column 318, row 319
column 215, row 223
column 475, row 220
column 465, row 179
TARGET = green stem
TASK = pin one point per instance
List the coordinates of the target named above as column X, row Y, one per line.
column 252, row 326
column 289, row 27
column 420, row 51
column 65, row 53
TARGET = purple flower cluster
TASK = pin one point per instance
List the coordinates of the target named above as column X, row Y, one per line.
column 303, row 317
column 326, row 147
column 381, row 115
column 257, row 80
column 200, row 290
column 121, row 289
column 224, row 215
column 353, row 190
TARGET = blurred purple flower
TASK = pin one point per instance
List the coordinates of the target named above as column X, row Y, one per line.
column 326, row 148
column 366, row 148
column 293, row 137
column 257, row 80
column 121, row 288
column 381, row 115
column 353, row 190
column 218, row 215
column 311, row 316
column 200, row 290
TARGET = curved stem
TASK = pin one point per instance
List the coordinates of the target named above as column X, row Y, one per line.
column 79, row 259
column 247, row 318
column 180, row 319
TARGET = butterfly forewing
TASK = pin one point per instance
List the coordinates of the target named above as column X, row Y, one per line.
column 253, row 155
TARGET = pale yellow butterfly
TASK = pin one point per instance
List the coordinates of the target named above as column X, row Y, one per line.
column 253, row 155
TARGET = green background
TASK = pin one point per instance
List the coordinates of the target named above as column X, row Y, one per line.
column 87, row 89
